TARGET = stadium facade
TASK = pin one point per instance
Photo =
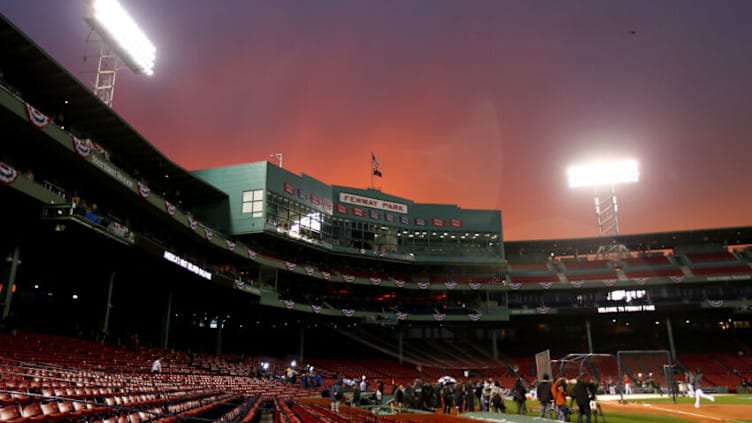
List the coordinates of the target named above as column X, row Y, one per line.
column 103, row 234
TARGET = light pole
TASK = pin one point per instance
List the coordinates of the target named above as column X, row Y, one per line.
column 605, row 175
column 277, row 156
column 114, row 38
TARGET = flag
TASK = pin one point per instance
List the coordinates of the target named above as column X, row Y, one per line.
column 375, row 165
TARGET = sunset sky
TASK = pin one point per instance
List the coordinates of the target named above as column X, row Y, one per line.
column 483, row 104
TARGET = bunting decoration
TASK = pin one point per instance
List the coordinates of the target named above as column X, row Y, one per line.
column 230, row 245
column 143, row 190
column 81, row 147
column 348, row 278
column 399, row 283
column 348, row 312
column 290, row 266
column 423, row 285
column 640, row 281
column 308, row 270
column 546, row 285
column 439, row 317
column 376, row 281
column 8, row 174
column 208, row 233
column 450, row 284
column 316, row 309
column 577, row 284
column 170, row 208
column 289, row 304
column 543, row 309
column 474, row 316
column 251, row 254
column 326, row 275
column 676, row 279
column 515, row 285
column 118, row 229
column 401, row 315
column 239, row 283
column 474, row 285
column 37, row 118
column 715, row 303
column 609, row 282
column 192, row 223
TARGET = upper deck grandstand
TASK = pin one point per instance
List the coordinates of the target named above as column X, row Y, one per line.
column 106, row 238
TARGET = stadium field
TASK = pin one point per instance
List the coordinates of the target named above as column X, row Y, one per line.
column 727, row 408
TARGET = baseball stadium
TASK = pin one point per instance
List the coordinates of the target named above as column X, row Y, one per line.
column 132, row 290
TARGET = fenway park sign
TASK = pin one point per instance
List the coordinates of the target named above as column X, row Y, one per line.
column 373, row 203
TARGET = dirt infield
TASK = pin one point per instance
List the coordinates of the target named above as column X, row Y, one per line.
column 707, row 413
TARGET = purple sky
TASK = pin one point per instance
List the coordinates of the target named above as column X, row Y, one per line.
column 477, row 103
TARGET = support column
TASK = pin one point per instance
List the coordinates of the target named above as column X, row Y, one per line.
column 14, row 262
column 219, row 336
column 166, row 327
column 589, row 336
column 302, row 342
column 399, row 346
column 670, row 332
column 108, row 308
column 494, row 346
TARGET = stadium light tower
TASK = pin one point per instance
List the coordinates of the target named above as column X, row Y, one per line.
column 599, row 175
column 114, row 39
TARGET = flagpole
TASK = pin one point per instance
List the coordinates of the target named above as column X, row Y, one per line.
column 372, row 172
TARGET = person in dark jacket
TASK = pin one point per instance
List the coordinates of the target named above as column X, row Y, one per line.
column 519, row 395
column 583, row 394
column 545, row 397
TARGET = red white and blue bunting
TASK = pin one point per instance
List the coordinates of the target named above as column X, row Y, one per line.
column 715, row 303
column 640, row 281
column 8, row 174
column 399, row 283
column 208, row 233
column 289, row 304
column 609, row 282
column 439, row 317
column 192, row 223
column 290, row 266
column 475, row 285
column 474, row 316
column 81, row 147
column 423, row 285
column 450, row 285
column 251, row 254
column 376, row 281
column 239, row 283
column 676, row 279
column 401, row 315
column 577, row 284
column 348, row 312
column 143, row 190
column 515, row 285
column 230, row 245
column 309, row 270
column 326, row 275
column 316, row 308
column 348, row 278
column 37, row 118
column 170, row 208
column 546, row 285
column 543, row 309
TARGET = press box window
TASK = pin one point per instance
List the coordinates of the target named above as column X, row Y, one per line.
column 253, row 202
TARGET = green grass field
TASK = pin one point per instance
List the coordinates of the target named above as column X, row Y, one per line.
column 617, row 417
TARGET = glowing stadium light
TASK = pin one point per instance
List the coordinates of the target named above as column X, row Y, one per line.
column 606, row 173
column 606, row 210
column 122, row 34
